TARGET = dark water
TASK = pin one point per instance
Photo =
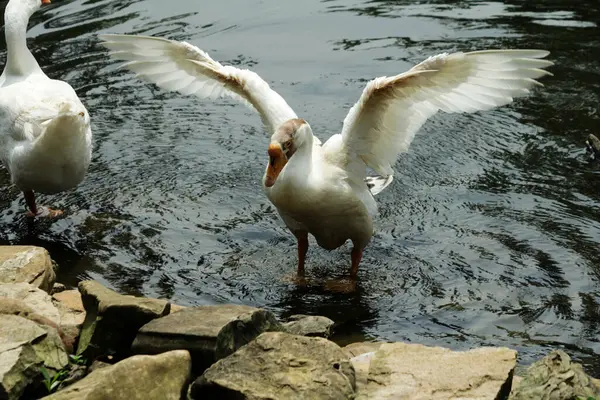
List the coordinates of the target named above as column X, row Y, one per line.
column 489, row 235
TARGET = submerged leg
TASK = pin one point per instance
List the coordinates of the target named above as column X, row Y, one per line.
column 356, row 256
column 302, row 238
column 30, row 200
column 35, row 211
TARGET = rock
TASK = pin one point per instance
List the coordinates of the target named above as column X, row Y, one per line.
column 57, row 288
column 75, row 374
column 555, row 377
column 360, row 355
column 279, row 365
column 97, row 365
column 71, row 299
column 20, row 308
column 209, row 333
column 25, row 346
column 412, row 371
column 309, row 325
column 18, row 331
column 35, row 298
column 361, row 365
column 72, row 314
column 160, row 377
column 176, row 308
column 112, row 320
column 27, row 264
column 19, row 367
column 592, row 145
column 358, row 348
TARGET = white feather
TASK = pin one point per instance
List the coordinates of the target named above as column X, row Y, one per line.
column 391, row 110
column 182, row 67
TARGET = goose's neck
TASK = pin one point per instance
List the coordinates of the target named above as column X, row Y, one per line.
column 305, row 152
column 19, row 60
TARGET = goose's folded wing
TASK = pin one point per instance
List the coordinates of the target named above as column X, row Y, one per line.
column 391, row 110
column 182, row 67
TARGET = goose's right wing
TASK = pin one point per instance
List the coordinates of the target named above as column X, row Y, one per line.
column 182, row 67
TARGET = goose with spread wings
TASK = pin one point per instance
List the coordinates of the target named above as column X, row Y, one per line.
column 323, row 189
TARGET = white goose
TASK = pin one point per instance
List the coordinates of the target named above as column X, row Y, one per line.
column 323, row 189
column 45, row 134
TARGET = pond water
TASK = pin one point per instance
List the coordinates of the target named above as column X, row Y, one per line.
column 488, row 236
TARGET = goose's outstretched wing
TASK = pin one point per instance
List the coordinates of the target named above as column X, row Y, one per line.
column 391, row 110
column 182, row 67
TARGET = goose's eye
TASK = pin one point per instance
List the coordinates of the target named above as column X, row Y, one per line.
column 287, row 145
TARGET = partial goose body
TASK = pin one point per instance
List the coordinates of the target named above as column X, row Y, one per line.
column 346, row 206
column 323, row 189
column 45, row 134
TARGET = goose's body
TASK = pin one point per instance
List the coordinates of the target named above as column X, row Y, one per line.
column 45, row 134
column 323, row 189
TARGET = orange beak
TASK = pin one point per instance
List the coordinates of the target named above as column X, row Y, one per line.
column 277, row 161
column 45, row 1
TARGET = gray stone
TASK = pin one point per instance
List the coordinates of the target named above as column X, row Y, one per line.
column 360, row 355
column 72, row 314
column 112, row 320
column 27, row 264
column 25, row 346
column 160, row 377
column 555, row 377
column 19, row 367
column 176, row 308
column 37, row 299
column 412, row 371
column 97, row 365
column 209, row 333
column 279, row 365
column 45, row 341
column 358, row 348
column 57, row 288
column 75, row 374
column 309, row 325
column 20, row 308
column 593, row 147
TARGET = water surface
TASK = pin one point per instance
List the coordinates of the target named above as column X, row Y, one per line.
column 488, row 236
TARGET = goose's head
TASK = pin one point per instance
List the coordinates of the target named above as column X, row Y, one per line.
column 287, row 139
column 27, row 6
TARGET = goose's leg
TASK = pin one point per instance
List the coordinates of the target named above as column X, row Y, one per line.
column 30, row 200
column 346, row 285
column 302, row 238
column 356, row 256
column 35, row 211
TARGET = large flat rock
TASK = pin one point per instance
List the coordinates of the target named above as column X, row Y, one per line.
column 112, row 320
column 412, row 371
column 279, row 365
column 160, row 377
column 27, row 264
column 209, row 333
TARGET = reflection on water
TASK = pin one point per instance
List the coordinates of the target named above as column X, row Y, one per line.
column 488, row 236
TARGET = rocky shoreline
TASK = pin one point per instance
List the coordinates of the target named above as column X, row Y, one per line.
column 93, row 343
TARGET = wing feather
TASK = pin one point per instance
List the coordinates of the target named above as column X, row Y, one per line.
column 391, row 110
column 182, row 67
